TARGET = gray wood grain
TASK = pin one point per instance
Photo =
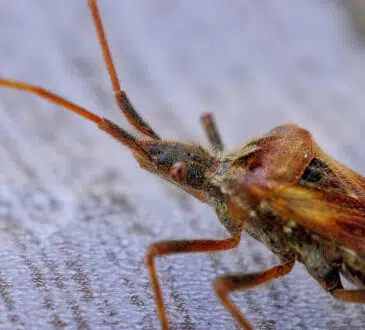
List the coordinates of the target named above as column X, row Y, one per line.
column 77, row 214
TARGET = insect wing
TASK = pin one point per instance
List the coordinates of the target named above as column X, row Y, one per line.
column 353, row 182
column 337, row 217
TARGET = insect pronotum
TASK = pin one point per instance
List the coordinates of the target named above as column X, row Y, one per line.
column 281, row 188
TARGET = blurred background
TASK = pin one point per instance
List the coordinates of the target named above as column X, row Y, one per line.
column 254, row 64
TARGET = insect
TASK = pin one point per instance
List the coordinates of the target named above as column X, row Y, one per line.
column 281, row 188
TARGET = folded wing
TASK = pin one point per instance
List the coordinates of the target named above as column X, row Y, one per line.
column 335, row 216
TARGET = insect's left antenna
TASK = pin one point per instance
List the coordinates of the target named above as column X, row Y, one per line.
column 51, row 97
column 106, row 125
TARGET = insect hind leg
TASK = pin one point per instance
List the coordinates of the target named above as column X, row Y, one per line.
column 227, row 284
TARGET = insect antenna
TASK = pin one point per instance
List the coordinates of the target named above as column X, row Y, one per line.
column 120, row 95
column 43, row 93
column 105, row 124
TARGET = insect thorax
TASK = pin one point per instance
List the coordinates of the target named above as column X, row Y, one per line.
column 324, row 260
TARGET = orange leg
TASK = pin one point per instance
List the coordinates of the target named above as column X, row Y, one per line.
column 183, row 246
column 211, row 130
column 228, row 283
column 120, row 96
column 354, row 296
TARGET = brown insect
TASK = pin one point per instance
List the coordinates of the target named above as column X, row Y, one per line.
column 281, row 189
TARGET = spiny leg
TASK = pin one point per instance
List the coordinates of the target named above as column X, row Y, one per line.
column 227, row 284
column 120, row 95
column 182, row 246
column 211, row 130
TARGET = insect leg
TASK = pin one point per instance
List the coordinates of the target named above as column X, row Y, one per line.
column 354, row 296
column 182, row 246
column 120, row 96
column 211, row 130
column 226, row 284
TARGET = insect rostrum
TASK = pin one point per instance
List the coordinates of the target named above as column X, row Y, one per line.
column 281, row 188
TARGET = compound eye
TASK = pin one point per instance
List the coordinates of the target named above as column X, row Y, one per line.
column 178, row 171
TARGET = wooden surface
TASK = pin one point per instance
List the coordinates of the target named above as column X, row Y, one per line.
column 77, row 214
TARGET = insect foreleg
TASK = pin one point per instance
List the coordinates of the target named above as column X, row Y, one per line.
column 184, row 246
column 208, row 122
column 226, row 284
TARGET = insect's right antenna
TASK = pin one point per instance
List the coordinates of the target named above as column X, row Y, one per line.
column 120, row 95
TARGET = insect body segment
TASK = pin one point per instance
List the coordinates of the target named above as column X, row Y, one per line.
column 282, row 189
